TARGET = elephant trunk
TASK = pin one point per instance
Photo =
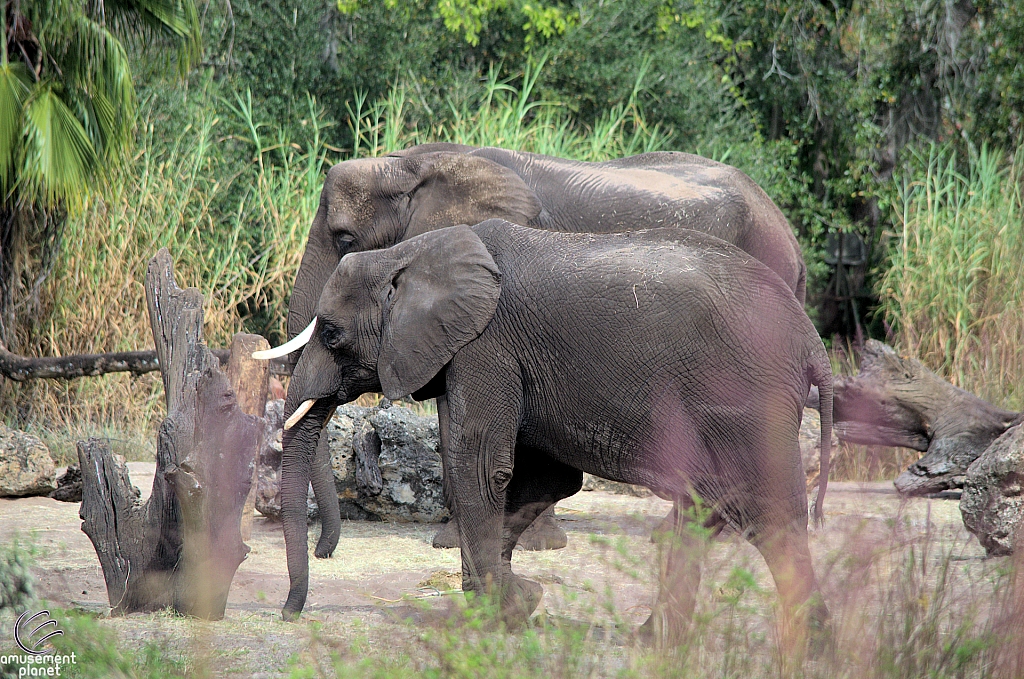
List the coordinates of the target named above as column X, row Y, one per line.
column 318, row 378
column 300, row 447
column 318, row 262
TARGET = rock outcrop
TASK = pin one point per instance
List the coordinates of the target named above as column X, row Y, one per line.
column 26, row 467
column 398, row 466
column 385, row 459
column 992, row 504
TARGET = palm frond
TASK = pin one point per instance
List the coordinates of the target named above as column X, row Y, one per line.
column 14, row 90
column 175, row 19
column 60, row 159
column 98, row 74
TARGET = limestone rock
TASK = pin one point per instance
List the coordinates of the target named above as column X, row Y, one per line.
column 406, row 485
column 25, row 465
column 385, row 461
column 341, row 431
column 268, row 489
column 992, row 504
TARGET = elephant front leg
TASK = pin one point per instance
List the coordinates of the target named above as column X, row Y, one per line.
column 681, row 550
column 483, row 427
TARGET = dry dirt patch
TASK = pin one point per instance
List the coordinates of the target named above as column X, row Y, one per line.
column 606, row 573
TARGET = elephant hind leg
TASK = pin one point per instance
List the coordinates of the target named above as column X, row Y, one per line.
column 802, row 608
column 681, row 550
column 538, row 482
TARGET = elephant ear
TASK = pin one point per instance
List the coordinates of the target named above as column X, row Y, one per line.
column 454, row 188
column 443, row 294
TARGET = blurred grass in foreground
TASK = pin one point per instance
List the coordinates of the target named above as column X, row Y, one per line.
column 908, row 597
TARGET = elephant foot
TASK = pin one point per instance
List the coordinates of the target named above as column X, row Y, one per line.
column 543, row 533
column 819, row 630
column 289, row 615
column 520, row 598
column 447, row 536
column 663, row 629
column 324, row 548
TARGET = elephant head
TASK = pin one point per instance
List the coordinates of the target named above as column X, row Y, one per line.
column 387, row 321
column 374, row 203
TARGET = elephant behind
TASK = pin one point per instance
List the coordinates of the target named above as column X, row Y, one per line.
column 670, row 359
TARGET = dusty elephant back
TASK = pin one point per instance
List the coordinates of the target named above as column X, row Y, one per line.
column 661, row 189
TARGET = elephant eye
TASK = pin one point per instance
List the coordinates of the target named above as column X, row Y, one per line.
column 331, row 336
column 343, row 242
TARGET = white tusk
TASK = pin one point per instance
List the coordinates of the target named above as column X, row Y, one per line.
column 299, row 413
column 294, row 344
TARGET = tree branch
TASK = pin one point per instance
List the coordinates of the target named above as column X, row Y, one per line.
column 22, row 369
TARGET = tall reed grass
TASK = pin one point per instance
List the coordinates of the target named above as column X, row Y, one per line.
column 954, row 293
column 232, row 197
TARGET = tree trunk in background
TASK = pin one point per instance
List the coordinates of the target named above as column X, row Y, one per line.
column 897, row 401
column 183, row 546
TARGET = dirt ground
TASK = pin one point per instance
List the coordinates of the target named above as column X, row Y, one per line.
column 365, row 588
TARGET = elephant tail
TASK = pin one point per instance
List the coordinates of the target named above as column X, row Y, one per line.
column 821, row 375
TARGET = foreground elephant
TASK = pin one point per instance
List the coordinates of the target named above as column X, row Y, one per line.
column 664, row 358
column 374, row 203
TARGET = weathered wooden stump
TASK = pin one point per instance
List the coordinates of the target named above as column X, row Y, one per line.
column 182, row 547
column 896, row 401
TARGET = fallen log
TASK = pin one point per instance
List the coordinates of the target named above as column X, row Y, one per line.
column 897, row 401
column 182, row 547
column 22, row 369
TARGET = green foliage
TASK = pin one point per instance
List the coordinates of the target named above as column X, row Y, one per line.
column 67, row 95
column 17, row 586
column 954, row 294
column 100, row 655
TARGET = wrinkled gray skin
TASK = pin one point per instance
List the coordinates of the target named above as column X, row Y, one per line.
column 374, row 203
column 663, row 358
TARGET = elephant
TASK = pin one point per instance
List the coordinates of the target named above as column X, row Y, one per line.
column 374, row 203
column 666, row 358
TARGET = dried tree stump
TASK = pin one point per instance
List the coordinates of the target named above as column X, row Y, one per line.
column 897, row 401
column 183, row 546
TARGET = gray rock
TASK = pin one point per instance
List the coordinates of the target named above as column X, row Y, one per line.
column 268, row 488
column 341, row 431
column 69, row 485
column 992, row 504
column 407, row 486
column 385, row 461
column 25, row 465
